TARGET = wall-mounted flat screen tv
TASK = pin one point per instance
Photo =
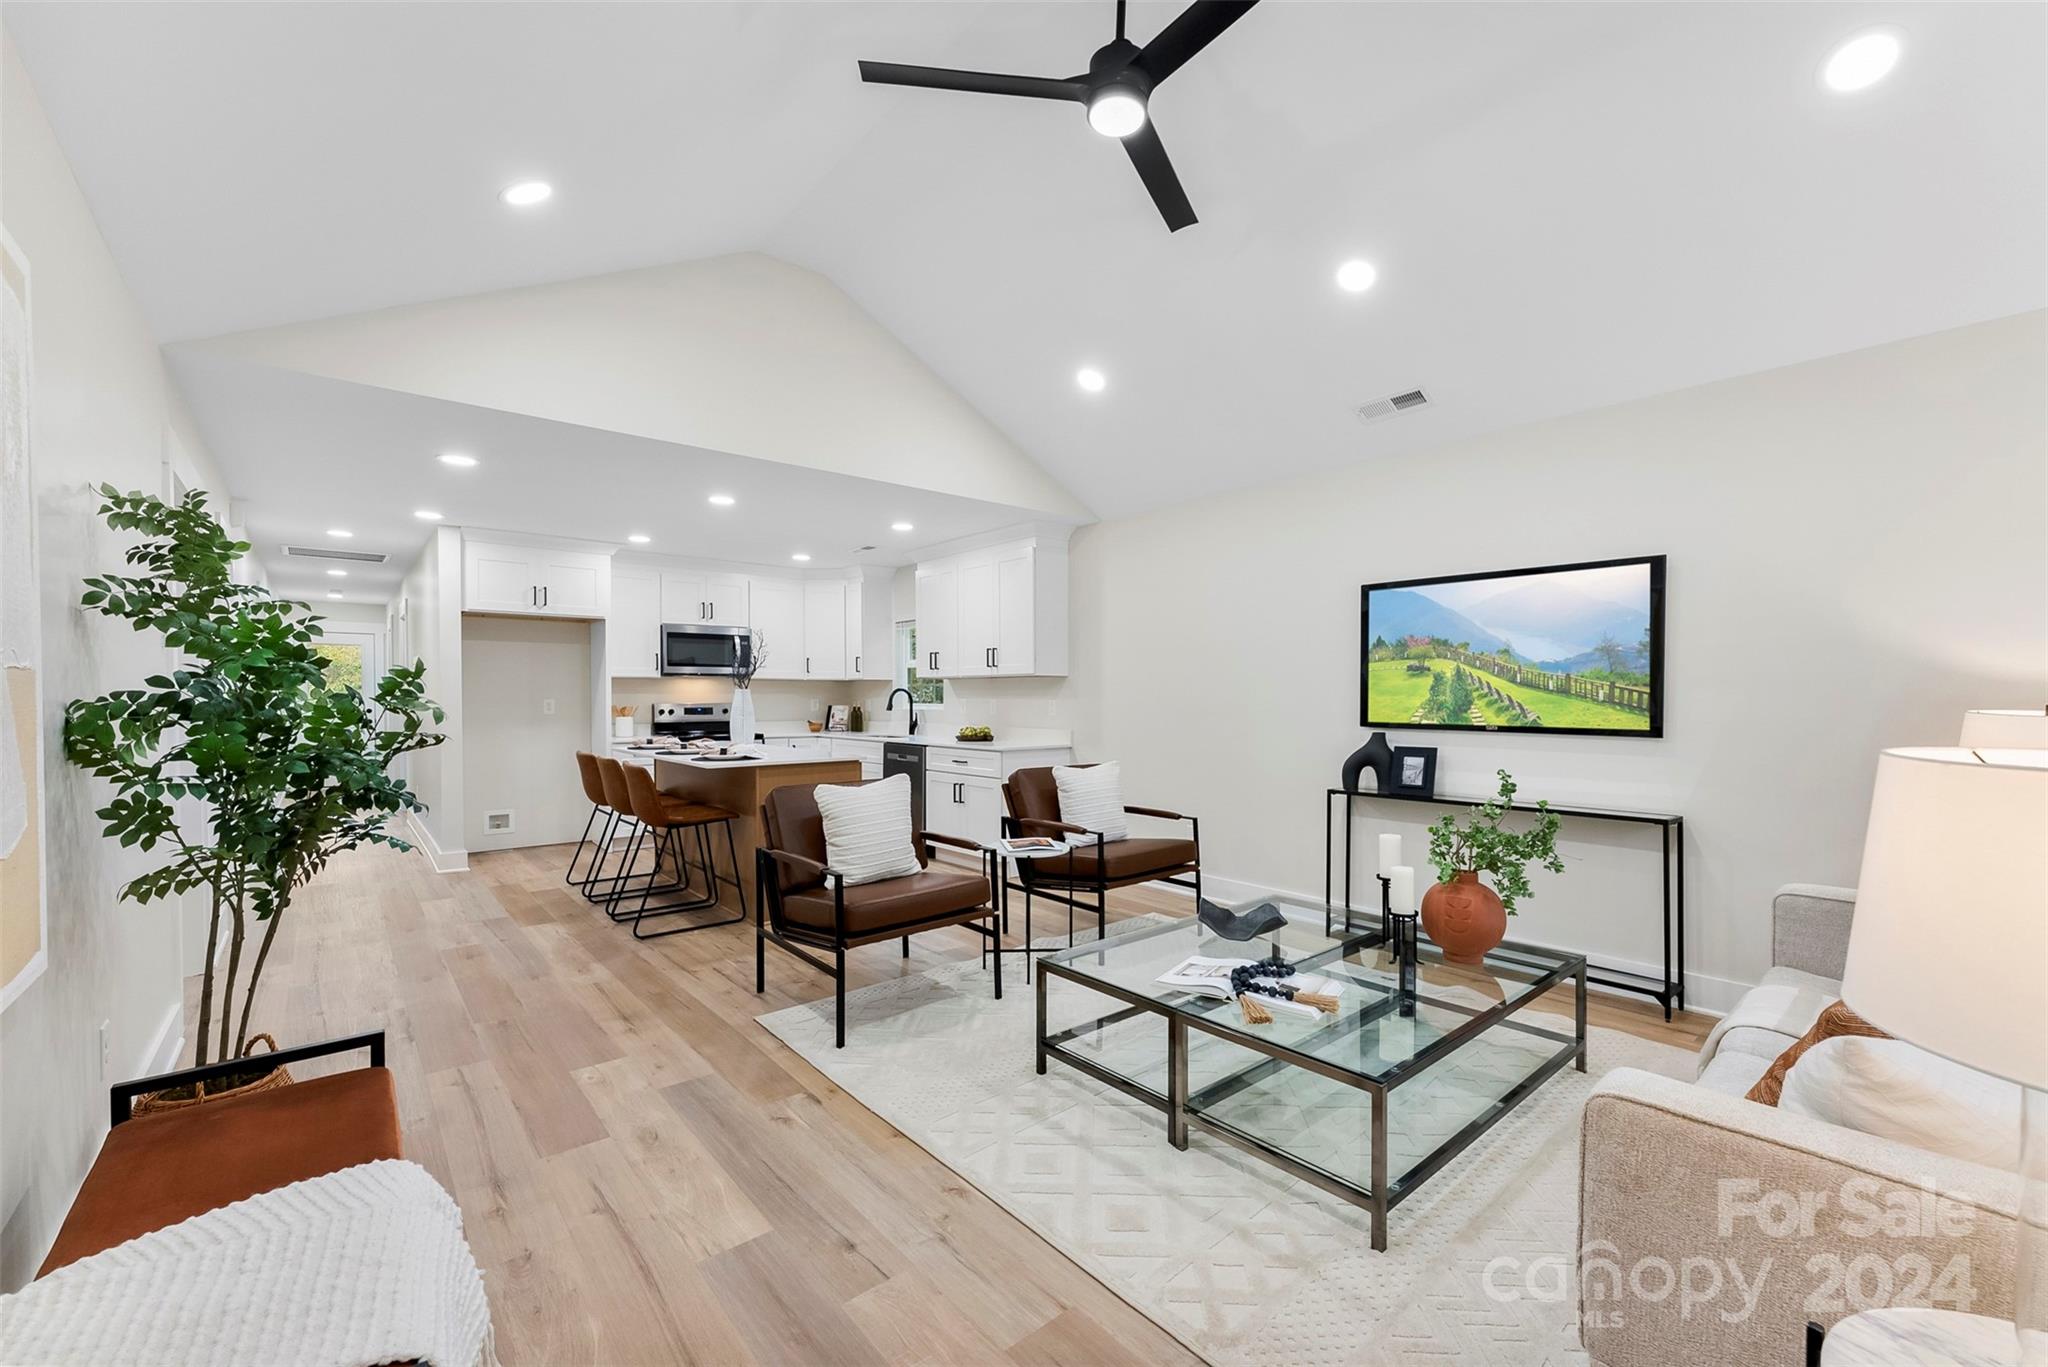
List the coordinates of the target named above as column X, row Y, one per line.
column 1574, row 650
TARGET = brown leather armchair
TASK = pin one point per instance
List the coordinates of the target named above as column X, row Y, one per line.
column 801, row 904
column 1033, row 800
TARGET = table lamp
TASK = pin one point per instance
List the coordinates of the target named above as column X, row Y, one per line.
column 2005, row 728
column 1949, row 947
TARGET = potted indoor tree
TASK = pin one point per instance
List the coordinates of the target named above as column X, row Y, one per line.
column 1465, row 917
column 279, row 767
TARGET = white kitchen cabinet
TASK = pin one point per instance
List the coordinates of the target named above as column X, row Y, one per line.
column 690, row 597
column 970, row 808
column 534, row 581
column 825, row 653
column 996, row 610
column 632, row 629
column 776, row 607
column 938, row 617
column 871, row 625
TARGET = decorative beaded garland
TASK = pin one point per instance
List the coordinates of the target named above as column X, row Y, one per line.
column 1245, row 982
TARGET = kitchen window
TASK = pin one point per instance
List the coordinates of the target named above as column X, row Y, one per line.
column 927, row 692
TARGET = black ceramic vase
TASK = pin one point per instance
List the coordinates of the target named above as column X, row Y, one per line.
column 1375, row 755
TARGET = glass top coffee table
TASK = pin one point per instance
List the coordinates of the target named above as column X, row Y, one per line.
column 1421, row 1057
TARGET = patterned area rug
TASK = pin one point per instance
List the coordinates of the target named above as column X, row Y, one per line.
column 1239, row 1261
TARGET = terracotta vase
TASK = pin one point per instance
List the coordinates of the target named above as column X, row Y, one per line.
column 1464, row 917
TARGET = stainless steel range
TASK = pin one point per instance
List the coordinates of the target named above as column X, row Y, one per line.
column 693, row 720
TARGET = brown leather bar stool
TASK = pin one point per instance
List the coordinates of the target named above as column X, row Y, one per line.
column 668, row 820
column 608, row 889
column 593, row 788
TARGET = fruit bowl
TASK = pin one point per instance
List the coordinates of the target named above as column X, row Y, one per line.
column 974, row 733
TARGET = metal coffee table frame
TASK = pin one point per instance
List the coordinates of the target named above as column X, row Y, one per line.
column 1184, row 1110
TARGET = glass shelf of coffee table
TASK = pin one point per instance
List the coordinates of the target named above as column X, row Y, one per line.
column 1366, row 1103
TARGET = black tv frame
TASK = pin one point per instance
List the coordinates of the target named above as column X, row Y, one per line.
column 1656, row 729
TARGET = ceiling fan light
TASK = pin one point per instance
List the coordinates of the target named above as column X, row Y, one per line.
column 1116, row 112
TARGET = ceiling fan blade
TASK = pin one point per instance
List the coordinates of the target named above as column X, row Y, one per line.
column 1193, row 29
column 981, row 82
column 1148, row 154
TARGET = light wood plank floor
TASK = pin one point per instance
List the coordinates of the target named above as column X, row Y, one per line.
column 646, row 1174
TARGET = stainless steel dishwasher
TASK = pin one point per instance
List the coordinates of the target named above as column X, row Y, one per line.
column 904, row 757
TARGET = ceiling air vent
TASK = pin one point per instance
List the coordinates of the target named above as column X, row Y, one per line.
column 331, row 553
column 1380, row 409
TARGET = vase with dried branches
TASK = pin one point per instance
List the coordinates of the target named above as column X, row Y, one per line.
column 279, row 766
column 742, row 718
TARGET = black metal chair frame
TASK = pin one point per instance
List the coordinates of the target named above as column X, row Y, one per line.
column 668, row 844
column 771, row 924
column 1034, row 885
column 121, row 1096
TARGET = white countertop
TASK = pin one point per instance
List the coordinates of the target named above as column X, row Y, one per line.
column 760, row 762
column 1022, row 740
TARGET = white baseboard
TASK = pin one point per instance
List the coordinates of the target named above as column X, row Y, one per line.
column 442, row 860
column 1707, row 995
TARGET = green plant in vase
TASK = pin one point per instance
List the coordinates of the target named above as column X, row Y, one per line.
column 278, row 768
column 1464, row 916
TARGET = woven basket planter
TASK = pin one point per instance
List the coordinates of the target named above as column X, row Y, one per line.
column 160, row 1103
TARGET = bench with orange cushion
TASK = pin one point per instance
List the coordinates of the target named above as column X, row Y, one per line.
column 154, row 1171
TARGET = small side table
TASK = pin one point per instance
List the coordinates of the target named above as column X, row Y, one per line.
column 1003, row 859
column 1921, row 1338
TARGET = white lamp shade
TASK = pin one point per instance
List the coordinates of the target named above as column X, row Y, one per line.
column 1949, row 946
column 2005, row 728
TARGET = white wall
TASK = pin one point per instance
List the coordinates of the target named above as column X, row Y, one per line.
column 1858, row 551
column 743, row 354
column 517, row 755
column 102, row 410
column 431, row 631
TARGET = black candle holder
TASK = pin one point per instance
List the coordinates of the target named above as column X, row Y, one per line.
column 1400, row 928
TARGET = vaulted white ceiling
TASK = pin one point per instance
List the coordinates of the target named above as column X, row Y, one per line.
column 1569, row 205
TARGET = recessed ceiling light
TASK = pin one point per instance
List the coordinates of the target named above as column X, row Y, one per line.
column 339, row 534
column 901, row 527
column 334, row 595
column 720, row 500
column 1356, row 276
column 426, row 514
column 527, row 193
column 337, row 574
column 638, row 538
column 1090, row 379
column 1861, row 62
column 800, row 555
column 456, row 459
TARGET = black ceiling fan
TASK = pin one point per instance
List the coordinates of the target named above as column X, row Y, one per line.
column 1119, row 81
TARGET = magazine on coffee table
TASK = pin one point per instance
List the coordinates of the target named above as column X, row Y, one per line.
column 1209, row 977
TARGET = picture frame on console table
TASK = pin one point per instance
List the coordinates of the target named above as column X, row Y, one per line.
column 1414, row 771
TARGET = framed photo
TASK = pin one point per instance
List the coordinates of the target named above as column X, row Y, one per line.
column 839, row 716
column 1415, row 770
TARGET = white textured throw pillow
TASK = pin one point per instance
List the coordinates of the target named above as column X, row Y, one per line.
column 1093, row 797
column 867, row 830
column 1897, row 1090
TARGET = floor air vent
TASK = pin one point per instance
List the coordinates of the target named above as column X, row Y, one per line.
column 497, row 823
column 333, row 553
column 1380, row 409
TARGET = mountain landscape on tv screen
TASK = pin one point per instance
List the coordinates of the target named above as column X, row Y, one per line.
column 1561, row 648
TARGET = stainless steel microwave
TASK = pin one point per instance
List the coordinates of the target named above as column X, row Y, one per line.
column 692, row 648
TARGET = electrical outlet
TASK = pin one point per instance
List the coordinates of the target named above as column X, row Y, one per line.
column 817, row 705
column 547, row 707
column 106, row 1048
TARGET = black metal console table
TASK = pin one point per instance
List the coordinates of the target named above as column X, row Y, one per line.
column 1669, row 992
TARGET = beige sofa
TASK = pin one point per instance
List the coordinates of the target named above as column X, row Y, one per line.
column 1712, row 1229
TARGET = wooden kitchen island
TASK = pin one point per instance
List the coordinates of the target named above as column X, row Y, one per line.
column 741, row 785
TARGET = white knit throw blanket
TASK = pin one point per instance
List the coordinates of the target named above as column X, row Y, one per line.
column 363, row 1266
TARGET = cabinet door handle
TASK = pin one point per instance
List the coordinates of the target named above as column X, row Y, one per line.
column 543, row 596
column 657, row 662
column 807, row 664
column 856, row 664
column 995, row 656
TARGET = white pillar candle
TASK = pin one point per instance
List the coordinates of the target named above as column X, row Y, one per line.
column 1390, row 854
column 1403, row 895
